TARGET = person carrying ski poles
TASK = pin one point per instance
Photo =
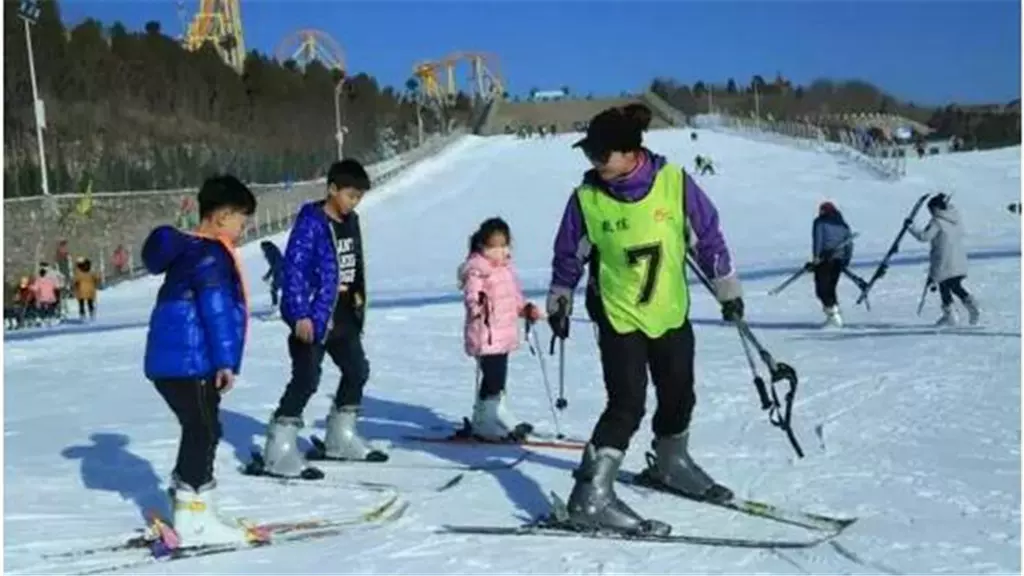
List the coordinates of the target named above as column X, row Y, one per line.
column 494, row 303
column 832, row 245
column 632, row 219
column 948, row 258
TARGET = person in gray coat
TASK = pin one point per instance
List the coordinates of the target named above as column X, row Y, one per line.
column 948, row 258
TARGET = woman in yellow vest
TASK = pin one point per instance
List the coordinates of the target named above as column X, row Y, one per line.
column 632, row 220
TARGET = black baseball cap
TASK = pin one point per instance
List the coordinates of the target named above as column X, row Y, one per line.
column 609, row 131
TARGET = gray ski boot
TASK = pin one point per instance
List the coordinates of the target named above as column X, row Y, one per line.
column 593, row 502
column 672, row 467
column 343, row 441
column 281, row 455
column 973, row 311
column 949, row 317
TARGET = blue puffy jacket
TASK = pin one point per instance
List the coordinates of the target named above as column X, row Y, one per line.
column 199, row 321
column 310, row 288
column 828, row 232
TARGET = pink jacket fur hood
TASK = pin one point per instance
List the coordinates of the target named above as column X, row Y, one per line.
column 494, row 301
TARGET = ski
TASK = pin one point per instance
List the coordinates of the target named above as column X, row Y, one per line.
column 147, row 538
column 764, row 510
column 291, row 535
column 256, row 468
column 532, row 435
column 520, row 436
column 483, row 466
column 883, row 266
column 556, row 529
column 558, row 524
column 560, row 445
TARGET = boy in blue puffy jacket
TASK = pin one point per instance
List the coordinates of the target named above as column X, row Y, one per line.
column 194, row 346
column 322, row 301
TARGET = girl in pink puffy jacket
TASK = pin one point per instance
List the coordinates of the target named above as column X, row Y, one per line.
column 494, row 304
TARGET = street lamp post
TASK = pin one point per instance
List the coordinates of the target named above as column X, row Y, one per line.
column 28, row 11
column 339, row 130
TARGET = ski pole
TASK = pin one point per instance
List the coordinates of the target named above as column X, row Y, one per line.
column 803, row 270
column 924, row 295
column 561, row 403
column 778, row 371
column 547, row 382
column 861, row 283
column 762, row 390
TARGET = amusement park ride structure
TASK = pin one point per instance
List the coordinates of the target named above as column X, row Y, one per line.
column 220, row 23
column 307, row 45
column 485, row 81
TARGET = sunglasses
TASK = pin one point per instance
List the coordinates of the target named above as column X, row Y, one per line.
column 599, row 157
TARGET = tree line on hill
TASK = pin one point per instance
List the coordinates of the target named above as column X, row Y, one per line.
column 976, row 126
column 136, row 111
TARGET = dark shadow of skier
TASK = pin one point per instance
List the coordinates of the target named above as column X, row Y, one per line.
column 108, row 465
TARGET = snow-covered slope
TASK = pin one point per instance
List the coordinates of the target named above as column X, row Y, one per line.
column 915, row 432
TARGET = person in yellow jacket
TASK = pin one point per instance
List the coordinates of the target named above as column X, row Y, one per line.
column 86, row 284
column 632, row 220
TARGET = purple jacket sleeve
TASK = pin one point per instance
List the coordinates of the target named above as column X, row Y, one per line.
column 571, row 247
column 708, row 242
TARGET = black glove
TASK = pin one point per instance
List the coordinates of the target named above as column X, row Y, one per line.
column 559, row 309
column 908, row 222
column 810, row 266
column 732, row 310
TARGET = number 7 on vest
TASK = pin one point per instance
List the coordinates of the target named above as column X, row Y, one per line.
column 651, row 255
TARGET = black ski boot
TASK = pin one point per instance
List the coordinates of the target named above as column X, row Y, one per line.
column 593, row 503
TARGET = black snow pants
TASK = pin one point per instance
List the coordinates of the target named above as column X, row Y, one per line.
column 625, row 359
column 950, row 287
column 493, row 374
column 196, row 403
column 345, row 347
column 826, row 278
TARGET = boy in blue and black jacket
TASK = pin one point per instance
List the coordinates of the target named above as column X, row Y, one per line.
column 323, row 300
column 194, row 346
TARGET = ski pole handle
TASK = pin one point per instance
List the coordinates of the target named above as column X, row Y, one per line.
column 762, row 392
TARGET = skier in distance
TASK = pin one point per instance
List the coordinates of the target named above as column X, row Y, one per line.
column 632, row 219
column 948, row 258
column 829, row 232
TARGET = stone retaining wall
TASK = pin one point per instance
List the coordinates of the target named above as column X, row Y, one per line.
column 33, row 226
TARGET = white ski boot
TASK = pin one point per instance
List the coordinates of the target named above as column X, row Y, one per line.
column 343, row 441
column 833, row 319
column 593, row 502
column 487, row 421
column 948, row 318
column 197, row 523
column 505, row 416
column 973, row 311
column 281, row 454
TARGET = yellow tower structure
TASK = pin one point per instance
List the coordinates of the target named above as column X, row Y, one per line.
column 485, row 81
column 220, row 23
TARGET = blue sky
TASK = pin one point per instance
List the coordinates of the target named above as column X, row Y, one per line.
column 928, row 51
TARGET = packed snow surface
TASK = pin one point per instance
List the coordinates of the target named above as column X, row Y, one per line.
column 914, row 431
